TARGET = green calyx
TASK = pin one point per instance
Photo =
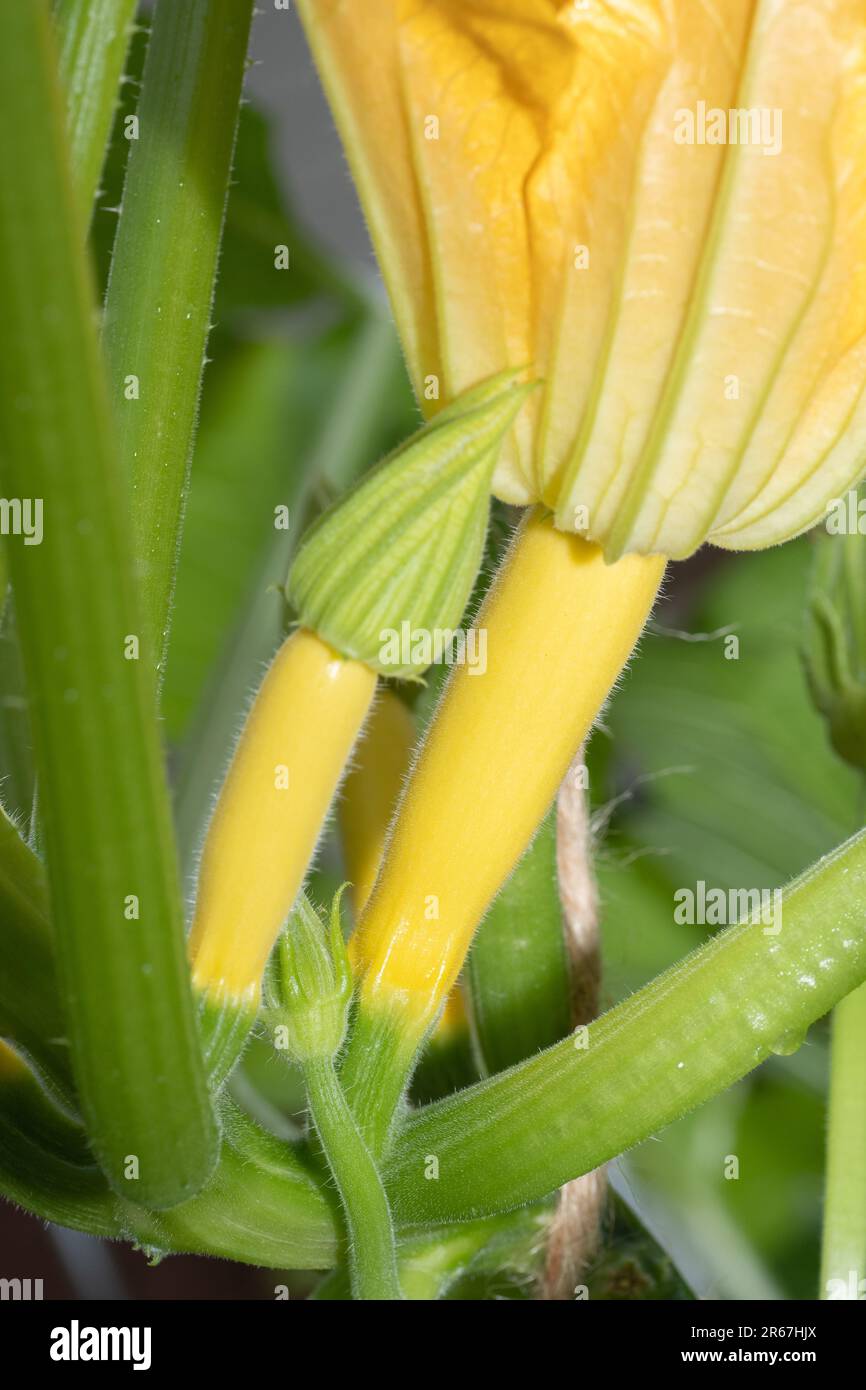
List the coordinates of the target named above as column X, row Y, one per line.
column 384, row 576
column 835, row 647
column 310, row 984
column 225, row 1025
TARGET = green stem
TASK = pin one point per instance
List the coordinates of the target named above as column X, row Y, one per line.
column 685, row 1037
column 372, row 1256
column 160, row 290
column 93, row 41
column 492, row 1252
column 117, row 920
column 525, row 1133
column 843, row 1262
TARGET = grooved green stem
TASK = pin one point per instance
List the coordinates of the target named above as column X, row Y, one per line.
column 117, row 920
column 92, row 41
column 844, row 1244
column 683, row 1038
column 372, row 1258
column 523, row 1134
column 160, row 290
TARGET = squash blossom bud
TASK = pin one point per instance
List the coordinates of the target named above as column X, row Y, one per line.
column 402, row 553
column 403, row 549
column 835, row 647
column 310, row 984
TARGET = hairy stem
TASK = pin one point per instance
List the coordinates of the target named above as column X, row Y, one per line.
column 116, row 909
column 372, row 1257
column 160, row 290
column 683, row 1038
column 522, row 1135
column 843, row 1261
column 93, row 41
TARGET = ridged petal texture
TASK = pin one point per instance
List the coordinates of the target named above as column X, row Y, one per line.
column 405, row 547
column 661, row 204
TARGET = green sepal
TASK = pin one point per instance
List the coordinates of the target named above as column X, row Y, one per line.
column 480, row 396
column 224, row 1027
column 399, row 555
column 448, row 1063
column 309, row 985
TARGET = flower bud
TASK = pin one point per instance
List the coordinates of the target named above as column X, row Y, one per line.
column 310, row 984
column 400, row 554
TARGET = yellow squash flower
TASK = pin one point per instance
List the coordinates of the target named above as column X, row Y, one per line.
column 661, row 205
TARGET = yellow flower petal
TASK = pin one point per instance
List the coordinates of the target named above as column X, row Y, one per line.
column 356, row 49
column 696, row 305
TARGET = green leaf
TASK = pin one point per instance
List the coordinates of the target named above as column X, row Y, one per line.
column 93, row 40
column 160, row 289
column 518, row 969
column 727, row 790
